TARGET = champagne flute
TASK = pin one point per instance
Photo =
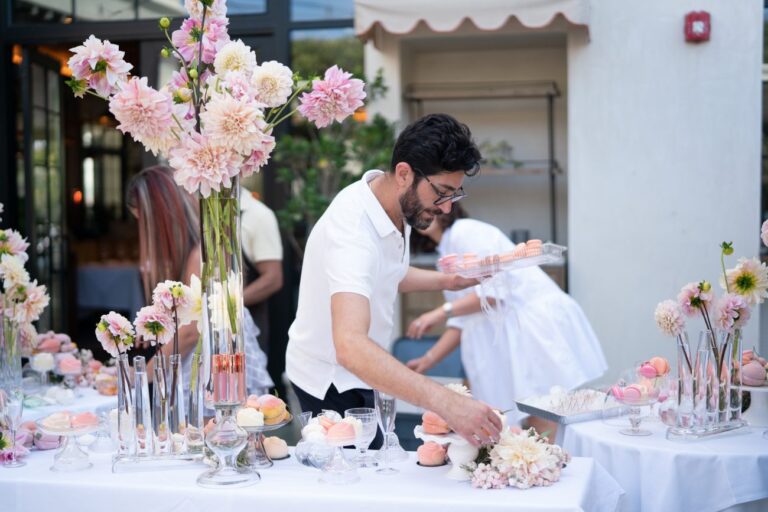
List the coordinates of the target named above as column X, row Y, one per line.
column 386, row 408
column 11, row 406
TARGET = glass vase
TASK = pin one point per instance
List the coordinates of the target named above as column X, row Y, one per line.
column 735, row 357
column 160, row 420
column 193, row 435
column 686, row 383
column 10, row 355
column 142, row 409
column 723, row 364
column 126, row 428
column 706, row 404
column 176, row 415
column 223, row 343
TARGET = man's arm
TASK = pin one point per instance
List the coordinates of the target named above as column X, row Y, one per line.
column 270, row 280
column 355, row 351
column 421, row 280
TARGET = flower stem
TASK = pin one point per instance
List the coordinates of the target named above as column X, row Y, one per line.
column 725, row 275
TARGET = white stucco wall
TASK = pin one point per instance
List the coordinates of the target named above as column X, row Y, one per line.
column 664, row 161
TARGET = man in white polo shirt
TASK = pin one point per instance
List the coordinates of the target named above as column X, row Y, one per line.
column 356, row 261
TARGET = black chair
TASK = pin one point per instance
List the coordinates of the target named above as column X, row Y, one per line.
column 405, row 349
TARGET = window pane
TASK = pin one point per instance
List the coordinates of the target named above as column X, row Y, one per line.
column 314, row 51
column 309, row 10
column 105, row 10
column 42, row 11
column 235, row 7
column 149, row 9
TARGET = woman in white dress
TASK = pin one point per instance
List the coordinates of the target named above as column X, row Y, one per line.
column 537, row 338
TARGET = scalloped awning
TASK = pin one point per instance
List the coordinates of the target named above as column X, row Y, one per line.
column 403, row 16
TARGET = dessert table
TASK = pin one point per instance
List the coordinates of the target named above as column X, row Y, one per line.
column 584, row 486
column 728, row 472
column 89, row 400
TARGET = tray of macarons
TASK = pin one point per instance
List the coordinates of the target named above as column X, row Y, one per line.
column 525, row 254
column 566, row 407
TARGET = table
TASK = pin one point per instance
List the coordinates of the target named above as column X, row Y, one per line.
column 659, row 475
column 110, row 286
column 289, row 486
column 90, row 400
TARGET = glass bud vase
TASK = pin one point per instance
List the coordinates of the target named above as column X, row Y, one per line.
column 723, row 365
column 735, row 360
column 160, row 421
column 142, row 409
column 223, row 345
column 701, row 382
column 193, row 435
column 126, row 428
column 176, row 410
column 685, row 383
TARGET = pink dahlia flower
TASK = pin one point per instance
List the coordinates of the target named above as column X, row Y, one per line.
column 202, row 166
column 333, row 98
column 145, row 113
column 187, row 38
column 259, row 157
column 154, row 324
column 100, row 64
column 764, row 232
column 115, row 333
column 692, row 297
column 731, row 312
column 12, row 243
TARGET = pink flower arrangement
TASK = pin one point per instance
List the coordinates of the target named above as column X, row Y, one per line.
column 115, row 333
column 154, row 325
column 333, row 98
column 100, row 65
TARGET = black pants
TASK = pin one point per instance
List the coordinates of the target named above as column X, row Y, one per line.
column 339, row 402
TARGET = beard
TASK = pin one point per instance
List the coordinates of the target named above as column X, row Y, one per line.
column 416, row 215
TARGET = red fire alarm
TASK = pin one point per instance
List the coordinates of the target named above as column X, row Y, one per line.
column 697, row 26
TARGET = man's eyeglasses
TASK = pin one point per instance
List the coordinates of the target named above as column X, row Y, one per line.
column 442, row 197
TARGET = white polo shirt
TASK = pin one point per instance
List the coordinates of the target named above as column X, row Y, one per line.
column 354, row 247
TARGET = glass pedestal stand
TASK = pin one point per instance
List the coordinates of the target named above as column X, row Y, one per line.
column 255, row 454
column 226, row 441
column 70, row 456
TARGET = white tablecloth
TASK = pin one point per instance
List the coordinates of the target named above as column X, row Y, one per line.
column 90, row 400
column 661, row 475
column 288, row 486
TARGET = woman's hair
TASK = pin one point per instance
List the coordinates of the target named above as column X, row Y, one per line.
column 169, row 226
column 422, row 243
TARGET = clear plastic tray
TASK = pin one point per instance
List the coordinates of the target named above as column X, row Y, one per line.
column 525, row 254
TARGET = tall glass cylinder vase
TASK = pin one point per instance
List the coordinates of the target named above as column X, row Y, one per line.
column 160, row 420
column 10, row 355
column 126, row 426
column 143, row 411
column 224, row 375
column 707, row 380
column 701, row 382
column 735, row 361
column 176, row 410
column 723, row 364
column 685, row 383
column 193, row 435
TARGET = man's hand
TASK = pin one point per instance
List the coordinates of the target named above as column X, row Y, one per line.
column 455, row 282
column 471, row 419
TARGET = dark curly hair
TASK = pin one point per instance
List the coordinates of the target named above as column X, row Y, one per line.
column 437, row 143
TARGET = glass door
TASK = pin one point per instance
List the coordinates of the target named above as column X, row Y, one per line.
column 40, row 179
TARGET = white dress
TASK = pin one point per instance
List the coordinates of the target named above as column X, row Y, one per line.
column 541, row 338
